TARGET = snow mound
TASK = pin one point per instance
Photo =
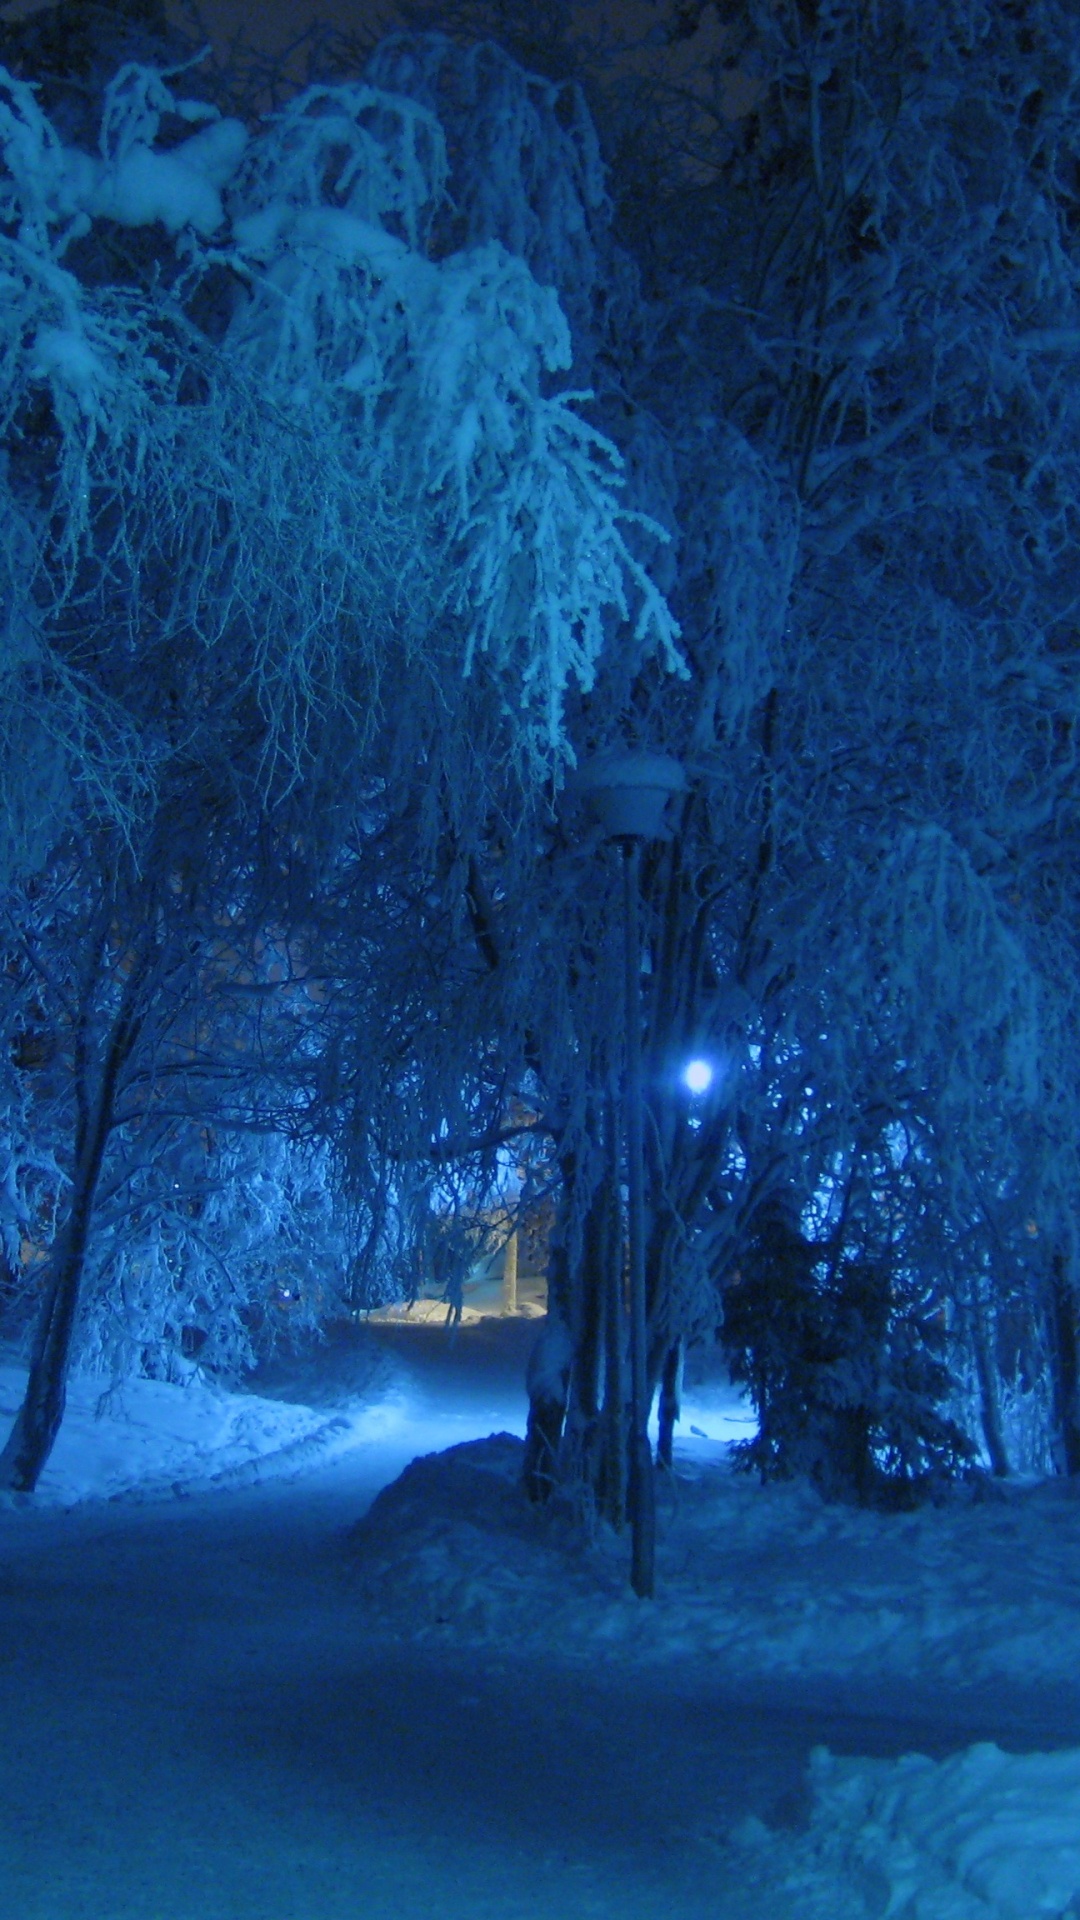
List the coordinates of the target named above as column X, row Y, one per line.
column 453, row 1543
column 152, row 1439
column 983, row 1835
column 766, row 1580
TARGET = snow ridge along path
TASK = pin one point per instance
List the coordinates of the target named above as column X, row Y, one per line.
column 242, row 1702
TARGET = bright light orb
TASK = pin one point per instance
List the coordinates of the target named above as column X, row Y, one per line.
column 697, row 1075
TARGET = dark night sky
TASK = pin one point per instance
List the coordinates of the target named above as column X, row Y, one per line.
column 271, row 24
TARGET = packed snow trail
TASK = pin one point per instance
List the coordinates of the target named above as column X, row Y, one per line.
column 200, row 1721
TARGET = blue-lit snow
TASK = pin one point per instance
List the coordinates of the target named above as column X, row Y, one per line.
column 224, row 1699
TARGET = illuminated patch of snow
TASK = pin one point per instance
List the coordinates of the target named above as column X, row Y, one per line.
column 151, row 1437
column 982, row 1835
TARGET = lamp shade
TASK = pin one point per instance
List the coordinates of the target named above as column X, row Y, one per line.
column 629, row 792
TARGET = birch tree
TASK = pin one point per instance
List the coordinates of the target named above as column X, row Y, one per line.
column 294, row 495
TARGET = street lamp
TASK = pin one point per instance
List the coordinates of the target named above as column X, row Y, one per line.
column 697, row 1076
column 629, row 793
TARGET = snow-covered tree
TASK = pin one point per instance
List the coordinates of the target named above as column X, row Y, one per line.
column 296, row 492
column 293, row 498
column 850, row 385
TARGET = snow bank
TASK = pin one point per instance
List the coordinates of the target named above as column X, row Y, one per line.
column 757, row 1580
column 984, row 1835
column 763, row 1580
column 151, row 1438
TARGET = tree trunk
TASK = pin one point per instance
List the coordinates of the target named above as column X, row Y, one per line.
column 37, row 1422
column 579, row 1465
column 987, row 1375
column 510, row 1273
column 547, row 1378
column 670, row 1402
column 547, row 1381
column 1066, row 1367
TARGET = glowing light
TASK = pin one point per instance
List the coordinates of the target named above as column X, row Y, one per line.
column 697, row 1075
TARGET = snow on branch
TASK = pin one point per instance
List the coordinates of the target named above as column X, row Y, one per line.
column 251, row 491
column 375, row 156
column 131, row 180
column 524, row 491
column 440, row 370
column 951, row 971
column 740, row 548
column 527, row 166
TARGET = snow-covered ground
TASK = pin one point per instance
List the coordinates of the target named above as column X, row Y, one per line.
column 225, row 1693
column 145, row 1439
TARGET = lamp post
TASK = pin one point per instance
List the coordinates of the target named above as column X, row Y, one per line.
column 628, row 793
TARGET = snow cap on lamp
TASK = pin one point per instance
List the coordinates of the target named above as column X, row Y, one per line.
column 628, row 791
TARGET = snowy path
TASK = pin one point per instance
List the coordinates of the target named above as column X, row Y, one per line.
column 198, row 1722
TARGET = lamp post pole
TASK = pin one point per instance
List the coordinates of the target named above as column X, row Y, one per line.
column 642, row 1487
column 629, row 793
